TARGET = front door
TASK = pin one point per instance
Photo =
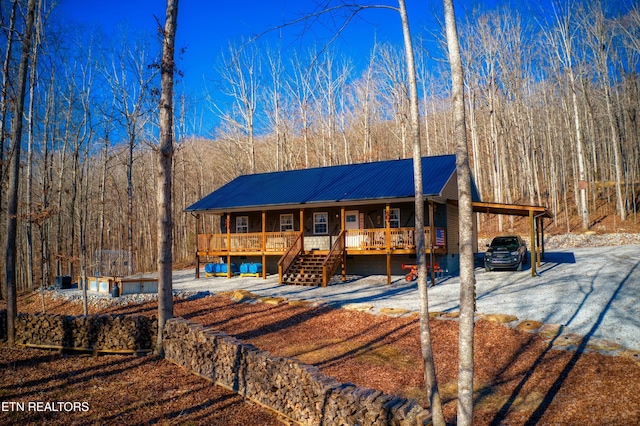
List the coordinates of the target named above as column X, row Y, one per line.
column 352, row 224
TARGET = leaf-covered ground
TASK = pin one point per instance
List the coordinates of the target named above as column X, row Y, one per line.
column 521, row 378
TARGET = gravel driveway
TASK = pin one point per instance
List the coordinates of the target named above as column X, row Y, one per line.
column 593, row 291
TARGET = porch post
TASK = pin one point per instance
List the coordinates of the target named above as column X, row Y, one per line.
column 344, row 249
column 387, row 232
column 431, row 237
column 264, row 231
column 302, row 228
column 228, row 245
column 264, row 244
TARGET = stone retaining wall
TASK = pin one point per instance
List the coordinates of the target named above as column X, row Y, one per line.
column 95, row 332
column 298, row 391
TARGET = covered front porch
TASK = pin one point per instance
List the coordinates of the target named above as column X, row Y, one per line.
column 357, row 241
column 332, row 233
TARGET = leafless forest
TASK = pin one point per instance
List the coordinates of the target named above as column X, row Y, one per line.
column 552, row 106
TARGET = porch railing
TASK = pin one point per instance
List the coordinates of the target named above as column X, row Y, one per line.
column 290, row 256
column 252, row 241
column 354, row 239
column 333, row 259
column 400, row 238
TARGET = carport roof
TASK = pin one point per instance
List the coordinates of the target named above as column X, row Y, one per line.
column 537, row 212
column 510, row 209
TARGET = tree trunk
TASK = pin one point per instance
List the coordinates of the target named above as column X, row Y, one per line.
column 14, row 174
column 103, row 189
column 129, row 267
column 435, row 403
column 30, row 130
column 165, row 157
column 84, row 202
column 3, row 99
column 582, row 172
column 467, row 278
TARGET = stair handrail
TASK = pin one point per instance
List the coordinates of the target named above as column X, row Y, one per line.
column 289, row 257
column 329, row 266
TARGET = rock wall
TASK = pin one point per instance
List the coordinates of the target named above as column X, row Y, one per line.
column 94, row 332
column 298, row 391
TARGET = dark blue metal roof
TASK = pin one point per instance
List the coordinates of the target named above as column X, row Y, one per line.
column 351, row 182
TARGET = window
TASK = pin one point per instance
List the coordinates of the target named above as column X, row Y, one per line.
column 286, row 222
column 320, row 223
column 394, row 218
column 242, row 224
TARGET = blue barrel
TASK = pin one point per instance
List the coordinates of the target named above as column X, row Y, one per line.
column 255, row 268
column 244, row 268
column 224, row 268
column 216, row 267
column 209, row 268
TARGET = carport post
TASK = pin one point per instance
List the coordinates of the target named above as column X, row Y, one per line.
column 197, row 218
column 532, row 237
column 540, row 234
column 264, row 244
column 228, row 245
column 387, row 237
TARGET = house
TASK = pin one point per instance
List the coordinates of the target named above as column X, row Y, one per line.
column 304, row 224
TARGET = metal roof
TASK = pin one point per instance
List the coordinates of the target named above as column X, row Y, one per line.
column 383, row 180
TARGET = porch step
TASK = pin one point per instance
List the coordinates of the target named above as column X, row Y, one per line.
column 305, row 270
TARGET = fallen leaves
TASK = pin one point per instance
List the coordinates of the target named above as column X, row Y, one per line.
column 520, row 376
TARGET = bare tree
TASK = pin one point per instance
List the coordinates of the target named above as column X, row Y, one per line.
column 14, row 174
column 3, row 99
column 165, row 161
column 332, row 75
column 465, row 215
column 30, row 143
column 301, row 88
column 365, row 108
column 431, row 383
column 241, row 77
column 394, row 89
column 275, row 111
column 600, row 40
column 130, row 78
column 561, row 39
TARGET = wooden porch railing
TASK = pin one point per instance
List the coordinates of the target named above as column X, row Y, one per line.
column 400, row 238
column 280, row 242
column 252, row 241
column 290, row 256
column 333, row 259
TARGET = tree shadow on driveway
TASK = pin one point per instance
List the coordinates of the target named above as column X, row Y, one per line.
column 555, row 388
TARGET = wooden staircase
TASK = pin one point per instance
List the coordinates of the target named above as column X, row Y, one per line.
column 306, row 269
column 313, row 268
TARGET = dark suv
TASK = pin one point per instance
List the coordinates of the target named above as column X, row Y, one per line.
column 505, row 252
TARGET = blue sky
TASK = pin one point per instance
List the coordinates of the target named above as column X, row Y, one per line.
column 205, row 27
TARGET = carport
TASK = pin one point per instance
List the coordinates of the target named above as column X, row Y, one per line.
column 536, row 227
